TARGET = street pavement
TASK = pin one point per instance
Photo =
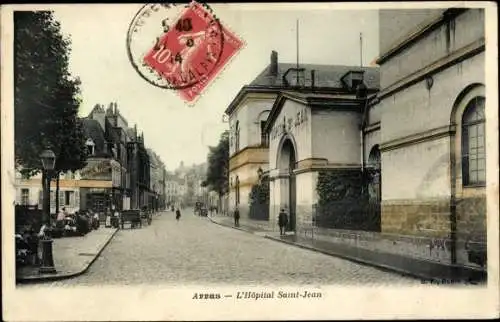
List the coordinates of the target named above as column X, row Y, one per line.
column 195, row 251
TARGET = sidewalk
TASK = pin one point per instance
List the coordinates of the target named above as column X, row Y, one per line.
column 72, row 256
column 406, row 265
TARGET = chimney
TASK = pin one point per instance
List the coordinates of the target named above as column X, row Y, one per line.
column 116, row 109
column 313, row 81
column 109, row 111
column 98, row 114
column 273, row 68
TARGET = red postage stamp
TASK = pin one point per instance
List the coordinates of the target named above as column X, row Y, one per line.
column 193, row 51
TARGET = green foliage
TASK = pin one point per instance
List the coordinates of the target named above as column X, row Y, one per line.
column 343, row 201
column 218, row 165
column 259, row 200
column 335, row 186
column 260, row 193
column 46, row 96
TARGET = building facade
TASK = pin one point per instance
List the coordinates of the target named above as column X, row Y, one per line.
column 139, row 169
column 157, row 181
column 397, row 149
column 29, row 192
column 431, row 126
column 97, row 176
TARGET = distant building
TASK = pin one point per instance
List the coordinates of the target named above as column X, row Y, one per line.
column 139, row 169
column 157, row 181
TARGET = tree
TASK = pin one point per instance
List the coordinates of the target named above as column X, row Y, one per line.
column 45, row 103
column 45, row 100
column 218, row 166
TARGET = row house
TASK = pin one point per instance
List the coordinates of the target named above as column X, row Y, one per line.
column 139, row 170
column 117, row 174
column 157, row 182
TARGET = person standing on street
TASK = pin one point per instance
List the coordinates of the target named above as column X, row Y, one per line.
column 177, row 214
column 282, row 221
column 236, row 216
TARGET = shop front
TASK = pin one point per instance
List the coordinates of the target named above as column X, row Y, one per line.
column 96, row 186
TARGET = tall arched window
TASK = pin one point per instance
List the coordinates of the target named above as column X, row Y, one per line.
column 237, row 137
column 473, row 143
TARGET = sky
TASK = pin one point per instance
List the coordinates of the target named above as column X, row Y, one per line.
column 178, row 132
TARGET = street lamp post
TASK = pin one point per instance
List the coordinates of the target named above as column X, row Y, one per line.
column 48, row 162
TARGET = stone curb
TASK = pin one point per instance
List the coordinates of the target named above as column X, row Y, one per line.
column 233, row 227
column 352, row 259
column 381, row 266
column 56, row 277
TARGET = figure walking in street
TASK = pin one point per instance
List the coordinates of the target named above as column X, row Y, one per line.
column 177, row 214
column 236, row 216
column 282, row 221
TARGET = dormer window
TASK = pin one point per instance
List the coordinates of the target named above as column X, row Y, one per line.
column 90, row 146
column 352, row 79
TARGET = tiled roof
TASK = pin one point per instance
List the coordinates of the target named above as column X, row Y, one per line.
column 327, row 78
column 325, row 75
column 93, row 130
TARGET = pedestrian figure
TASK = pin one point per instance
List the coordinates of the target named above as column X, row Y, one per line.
column 177, row 214
column 236, row 217
column 282, row 221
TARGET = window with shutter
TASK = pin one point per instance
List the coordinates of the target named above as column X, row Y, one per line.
column 40, row 199
column 77, row 199
column 61, row 198
column 52, row 197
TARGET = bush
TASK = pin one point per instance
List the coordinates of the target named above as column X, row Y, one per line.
column 343, row 201
column 259, row 201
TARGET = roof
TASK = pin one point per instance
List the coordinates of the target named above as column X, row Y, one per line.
column 327, row 79
column 325, row 75
column 93, row 130
column 130, row 133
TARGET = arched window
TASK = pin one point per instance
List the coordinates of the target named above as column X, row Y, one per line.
column 237, row 137
column 473, row 143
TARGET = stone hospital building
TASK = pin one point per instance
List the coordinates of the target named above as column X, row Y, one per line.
column 396, row 149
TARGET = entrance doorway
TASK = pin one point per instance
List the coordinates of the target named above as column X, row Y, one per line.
column 287, row 162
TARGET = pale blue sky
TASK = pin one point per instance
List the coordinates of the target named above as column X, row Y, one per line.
column 328, row 35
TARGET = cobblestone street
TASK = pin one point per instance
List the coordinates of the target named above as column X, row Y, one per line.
column 196, row 251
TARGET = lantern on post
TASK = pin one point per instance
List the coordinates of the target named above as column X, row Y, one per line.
column 48, row 159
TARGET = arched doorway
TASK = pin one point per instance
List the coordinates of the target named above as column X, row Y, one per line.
column 374, row 185
column 288, row 189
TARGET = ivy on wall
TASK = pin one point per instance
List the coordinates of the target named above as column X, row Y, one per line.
column 343, row 201
column 259, row 201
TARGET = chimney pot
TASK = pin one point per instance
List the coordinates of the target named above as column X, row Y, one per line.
column 273, row 69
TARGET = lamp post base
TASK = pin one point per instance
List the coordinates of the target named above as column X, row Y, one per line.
column 47, row 266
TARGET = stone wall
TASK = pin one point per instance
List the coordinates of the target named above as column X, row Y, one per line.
column 417, row 217
column 471, row 227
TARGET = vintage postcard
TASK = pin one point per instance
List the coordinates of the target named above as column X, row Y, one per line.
column 241, row 161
